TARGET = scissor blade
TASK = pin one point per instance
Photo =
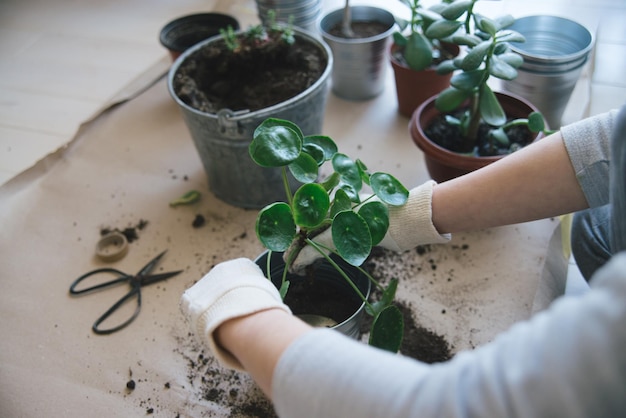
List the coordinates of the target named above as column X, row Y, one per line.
column 153, row 278
column 151, row 264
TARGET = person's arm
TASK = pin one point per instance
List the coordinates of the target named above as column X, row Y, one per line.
column 567, row 361
column 533, row 183
column 258, row 341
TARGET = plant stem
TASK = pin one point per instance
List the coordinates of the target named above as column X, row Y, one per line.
column 286, row 185
column 340, row 271
column 346, row 22
column 474, row 123
column 371, row 279
column 468, row 17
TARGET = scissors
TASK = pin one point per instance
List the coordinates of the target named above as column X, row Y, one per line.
column 142, row 278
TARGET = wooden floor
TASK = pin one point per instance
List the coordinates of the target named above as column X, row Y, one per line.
column 63, row 60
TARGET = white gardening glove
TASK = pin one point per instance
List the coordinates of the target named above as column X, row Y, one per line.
column 410, row 225
column 230, row 290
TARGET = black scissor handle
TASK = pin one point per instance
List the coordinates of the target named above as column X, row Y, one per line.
column 123, row 277
column 135, row 291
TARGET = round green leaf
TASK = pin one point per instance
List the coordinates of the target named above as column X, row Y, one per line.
column 330, row 182
column 304, row 168
column 536, row 122
column 275, row 146
column 376, row 215
column 275, row 226
column 351, row 237
column 348, row 171
column 490, row 107
column 314, row 151
column 388, row 329
column 272, row 122
column 310, row 205
column 325, row 143
column 340, row 203
column 389, row 189
column 365, row 177
column 352, row 193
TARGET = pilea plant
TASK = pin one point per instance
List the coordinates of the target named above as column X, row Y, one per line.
column 356, row 223
column 488, row 55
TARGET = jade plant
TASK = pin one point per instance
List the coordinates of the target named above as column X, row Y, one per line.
column 421, row 45
column 488, row 55
column 357, row 223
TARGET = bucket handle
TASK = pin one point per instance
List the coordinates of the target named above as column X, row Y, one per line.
column 227, row 125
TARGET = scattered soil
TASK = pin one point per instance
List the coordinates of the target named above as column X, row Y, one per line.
column 419, row 342
column 230, row 391
column 130, row 232
column 449, row 137
column 198, row 221
column 257, row 75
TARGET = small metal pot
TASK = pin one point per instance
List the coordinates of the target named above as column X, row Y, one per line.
column 325, row 276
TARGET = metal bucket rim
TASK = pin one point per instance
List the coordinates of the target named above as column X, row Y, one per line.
column 375, row 38
column 240, row 115
column 551, row 58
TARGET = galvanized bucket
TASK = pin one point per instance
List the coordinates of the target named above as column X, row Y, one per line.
column 327, row 277
column 555, row 52
column 222, row 138
column 301, row 13
column 360, row 63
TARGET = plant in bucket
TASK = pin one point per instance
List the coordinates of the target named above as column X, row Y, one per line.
column 357, row 223
column 417, row 49
column 468, row 125
column 227, row 85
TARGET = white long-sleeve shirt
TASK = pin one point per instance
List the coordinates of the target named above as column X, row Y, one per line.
column 567, row 361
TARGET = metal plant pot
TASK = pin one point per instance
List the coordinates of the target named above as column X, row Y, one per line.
column 332, row 284
column 222, row 138
column 360, row 63
column 555, row 51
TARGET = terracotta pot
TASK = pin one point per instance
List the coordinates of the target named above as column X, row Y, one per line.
column 444, row 165
column 414, row 87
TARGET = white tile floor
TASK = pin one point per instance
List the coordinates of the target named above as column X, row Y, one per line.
column 62, row 60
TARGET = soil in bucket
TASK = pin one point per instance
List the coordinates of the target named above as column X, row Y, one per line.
column 255, row 75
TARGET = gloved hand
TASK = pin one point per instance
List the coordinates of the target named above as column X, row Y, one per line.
column 410, row 225
column 230, row 290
